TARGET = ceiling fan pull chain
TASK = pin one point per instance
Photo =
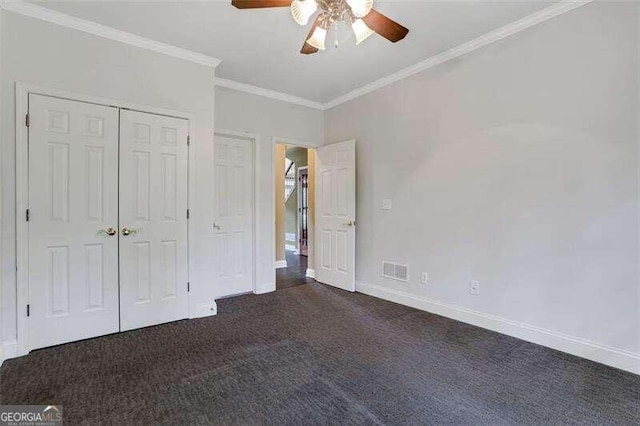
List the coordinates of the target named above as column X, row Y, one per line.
column 337, row 43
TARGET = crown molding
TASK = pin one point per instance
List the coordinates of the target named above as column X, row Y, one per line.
column 48, row 15
column 255, row 90
column 28, row 9
column 515, row 27
column 484, row 40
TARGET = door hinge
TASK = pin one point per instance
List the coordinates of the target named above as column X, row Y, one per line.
column 188, row 287
column 188, row 140
column 28, row 310
column 27, row 215
column 188, row 214
column 27, row 120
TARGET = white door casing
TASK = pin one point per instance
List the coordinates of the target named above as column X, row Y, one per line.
column 73, row 201
column 153, row 219
column 335, row 214
column 233, row 214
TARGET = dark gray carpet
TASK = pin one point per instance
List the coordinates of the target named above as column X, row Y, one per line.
column 315, row 355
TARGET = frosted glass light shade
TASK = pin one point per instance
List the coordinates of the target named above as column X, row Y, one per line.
column 317, row 38
column 361, row 30
column 360, row 8
column 301, row 10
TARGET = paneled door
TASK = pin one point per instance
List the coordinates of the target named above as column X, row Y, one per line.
column 233, row 214
column 72, row 221
column 335, row 208
column 153, row 219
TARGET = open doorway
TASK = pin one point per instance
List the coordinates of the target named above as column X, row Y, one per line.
column 294, row 176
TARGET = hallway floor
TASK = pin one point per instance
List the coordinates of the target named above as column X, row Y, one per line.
column 294, row 274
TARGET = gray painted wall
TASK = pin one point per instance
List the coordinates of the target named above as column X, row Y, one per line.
column 515, row 165
column 291, row 216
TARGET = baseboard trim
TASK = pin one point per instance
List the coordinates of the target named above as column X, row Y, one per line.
column 265, row 288
column 205, row 310
column 311, row 273
column 281, row 264
column 610, row 356
column 8, row 350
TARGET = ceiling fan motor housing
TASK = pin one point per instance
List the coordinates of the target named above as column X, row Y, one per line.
column 335, row 11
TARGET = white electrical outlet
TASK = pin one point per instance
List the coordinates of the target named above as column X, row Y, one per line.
column 387, row 204
column 474, row 288
column 424, row 278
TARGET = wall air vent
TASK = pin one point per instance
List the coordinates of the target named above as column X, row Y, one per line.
column 395, row 271
column 402, row 272
column 388, row 270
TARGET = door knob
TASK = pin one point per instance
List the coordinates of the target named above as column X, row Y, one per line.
column 350, row 223
column 111, row 231
column 216, row 227
column 128, row 231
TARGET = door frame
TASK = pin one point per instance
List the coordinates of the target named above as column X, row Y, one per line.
column 272, row 241
column 255, row 140
column 22, row 91
column 299, row 212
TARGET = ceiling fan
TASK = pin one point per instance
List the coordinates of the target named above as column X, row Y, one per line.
column 359, row 14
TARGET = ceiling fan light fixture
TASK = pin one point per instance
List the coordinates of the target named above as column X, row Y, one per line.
column 360, row 14
column 360, row 8
column 301, row 10
column 361, row 30
column 317, row 38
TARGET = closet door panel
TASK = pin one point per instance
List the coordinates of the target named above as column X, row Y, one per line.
column 153, row 219
column 73, row 220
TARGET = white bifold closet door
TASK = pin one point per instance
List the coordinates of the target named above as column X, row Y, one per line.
column 107, row 225
column 73, row 209
column 153, row 219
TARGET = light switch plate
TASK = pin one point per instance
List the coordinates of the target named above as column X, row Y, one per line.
column 386, row 204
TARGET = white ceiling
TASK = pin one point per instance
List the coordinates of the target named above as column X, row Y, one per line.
column 260, row 47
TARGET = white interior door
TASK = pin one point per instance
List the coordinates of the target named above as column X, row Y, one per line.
column 153, row 219
column 73, row 219
column 335, row 242
column 233, row 220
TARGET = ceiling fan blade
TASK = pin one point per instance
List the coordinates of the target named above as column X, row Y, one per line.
column 256, row 4
column 384, row 26
column 308, row 49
